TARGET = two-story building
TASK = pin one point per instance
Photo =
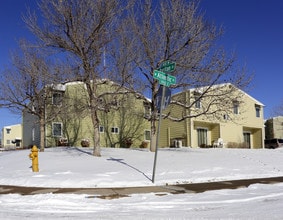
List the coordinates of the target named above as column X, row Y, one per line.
column 274, row 128
column 12, row 136
column 241, row 126
column 122, row 120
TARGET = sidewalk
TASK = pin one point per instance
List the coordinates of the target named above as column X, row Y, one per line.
column 115, row 192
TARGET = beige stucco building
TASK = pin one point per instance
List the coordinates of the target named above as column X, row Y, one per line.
column 242, row 127
column 123, row 120
column 12, row 136
column 274, row 128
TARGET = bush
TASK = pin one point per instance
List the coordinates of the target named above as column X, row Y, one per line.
column 205, row 146
column 144, row 144
column 232, row 145
column 237, row 145
column 85, row 143
column 127, row 143
column 244, row 145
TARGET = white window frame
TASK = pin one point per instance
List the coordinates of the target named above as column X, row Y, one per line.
column 197, row 96
column 61, row 129
column 257, row 111
column 147, row 110
column 236, row 110
column 57, row 100
column 101, row 129
column 33, row 134
column 197, row 103
column 115, row 130
column 147, row 133
column 226, row 117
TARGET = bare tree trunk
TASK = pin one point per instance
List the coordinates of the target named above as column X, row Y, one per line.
column 42, row 134
column 91, row 90
column 153, row 142
column 96, row 137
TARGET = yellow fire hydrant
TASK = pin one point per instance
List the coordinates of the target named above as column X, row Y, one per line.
column 34, row 157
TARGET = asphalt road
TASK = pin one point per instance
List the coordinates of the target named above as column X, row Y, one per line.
column 117, row 192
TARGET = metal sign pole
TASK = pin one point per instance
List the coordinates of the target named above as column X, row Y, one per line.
column 165, row 80
column 158, row 131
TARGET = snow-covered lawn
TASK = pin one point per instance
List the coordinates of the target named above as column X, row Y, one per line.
column 76, row 167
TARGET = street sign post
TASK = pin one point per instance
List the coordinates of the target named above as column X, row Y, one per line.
column 163, row 97
column 167, row 66
column 164, row 78
column 167, row 98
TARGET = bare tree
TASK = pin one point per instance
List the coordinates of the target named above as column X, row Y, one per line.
column 176, row 30
column 73, row 115
column 129, row 120
column 82, row 30
column 26, row 86
column 277, row 110
column 150, row 33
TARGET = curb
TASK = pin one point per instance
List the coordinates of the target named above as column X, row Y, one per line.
column 117, row 192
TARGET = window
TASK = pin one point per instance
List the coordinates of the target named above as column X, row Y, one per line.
column 202, row 137
column 8, row 130
column 57, row 98
column 257, row 111
column 147, row 135
column 114, row 130
column 33, row 108
column 147, row 110
column 225, row 117
column 8, row 141
column 57, row 129
column 197, row 96
column 236, row 107
column 197, row 103
column 33, row 134
column 101, row 129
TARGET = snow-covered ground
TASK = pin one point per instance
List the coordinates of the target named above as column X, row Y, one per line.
column 76, row 167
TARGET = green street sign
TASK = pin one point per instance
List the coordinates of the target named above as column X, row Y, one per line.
column 167, row 66
column 159, row 75
column 165, row 83
column 163, row 78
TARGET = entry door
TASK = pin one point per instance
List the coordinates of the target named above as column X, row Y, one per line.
column 247, row 139
column 202, row 136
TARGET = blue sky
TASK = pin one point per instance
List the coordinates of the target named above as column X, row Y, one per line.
column 253, row 28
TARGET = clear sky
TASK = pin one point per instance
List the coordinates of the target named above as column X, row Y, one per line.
column 254, row 28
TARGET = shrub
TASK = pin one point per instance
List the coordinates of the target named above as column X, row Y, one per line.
column 85, row 143
column 232, row 145
column 237, row 145
column 144, row 144
column 127, row 143
column 205, row 146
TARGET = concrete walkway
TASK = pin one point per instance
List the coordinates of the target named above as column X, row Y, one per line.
column 116, row 192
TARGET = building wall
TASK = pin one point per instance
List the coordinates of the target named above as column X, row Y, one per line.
column 76, row 123
column 274, row 128
column 246, row 122
column 11, row 135
column 231, row 129
column 278, row 127
column 31, row 134
column 174, row 131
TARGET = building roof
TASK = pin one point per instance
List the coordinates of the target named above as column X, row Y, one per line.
column 221, row 85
